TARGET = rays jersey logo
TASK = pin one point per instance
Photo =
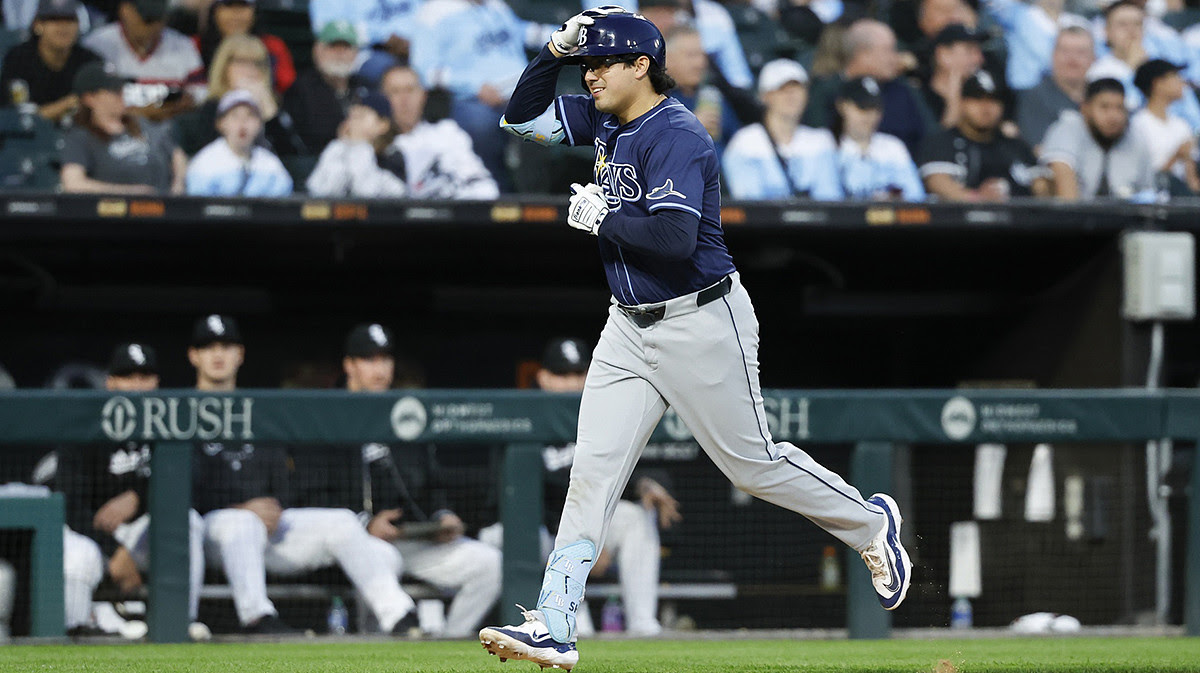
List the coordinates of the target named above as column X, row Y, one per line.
column 620, row 181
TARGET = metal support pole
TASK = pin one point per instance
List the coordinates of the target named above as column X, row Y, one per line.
column 170, row 499
column 1191, row 597
column 870, row 472
column 521, row 512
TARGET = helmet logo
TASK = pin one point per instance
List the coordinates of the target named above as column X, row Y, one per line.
column 583, row 31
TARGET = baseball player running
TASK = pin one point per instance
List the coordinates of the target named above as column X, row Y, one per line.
column 681, row 330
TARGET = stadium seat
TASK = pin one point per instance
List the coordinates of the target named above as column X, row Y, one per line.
column 29, row 148
column 762, row 39
column 299, row 166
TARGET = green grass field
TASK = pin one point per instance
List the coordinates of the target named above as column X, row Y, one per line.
column 1125, row 655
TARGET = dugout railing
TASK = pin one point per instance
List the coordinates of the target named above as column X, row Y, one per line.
column 873, row 422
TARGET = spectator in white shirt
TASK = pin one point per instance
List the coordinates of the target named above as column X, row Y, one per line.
column 234, row 164
column 362, row 161
column 871, row 165
column 780, row 158
column 1169, row 138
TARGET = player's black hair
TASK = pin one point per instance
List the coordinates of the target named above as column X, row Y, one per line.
column 659, row 79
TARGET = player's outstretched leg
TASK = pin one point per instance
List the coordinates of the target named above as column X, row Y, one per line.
column 530, row 641
column 891, row 570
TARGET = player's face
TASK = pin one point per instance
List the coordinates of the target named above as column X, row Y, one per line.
column 57, row 33
column 787, row 101
column 1105, row 113
column 560, row 383
column 132, row 382
column 217, row 363
column 613, row 83
column 404, row 91
column 372, row 375
column 233, row 18
column 982, row 114
column 240, row 128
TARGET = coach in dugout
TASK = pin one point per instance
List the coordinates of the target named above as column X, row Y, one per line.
column 394, row 491
column 242, row 490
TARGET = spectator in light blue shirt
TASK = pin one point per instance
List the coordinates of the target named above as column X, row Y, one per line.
column 871, row 165
column 476, row 49
column 1029, row 33
column 780, row 158
column 234, row 164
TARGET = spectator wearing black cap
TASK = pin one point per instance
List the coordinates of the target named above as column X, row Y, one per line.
column 974, row 161
column 110, row 151
column 118, row 484
column 871, row 165
column 1092, row 153
column 245, row 493
column 1170, row 139
column 234, row 164
column 956, row 55
column 42, row 69
column 362, row 161
column 164, row 66
column 645, row 506
column 321, row 97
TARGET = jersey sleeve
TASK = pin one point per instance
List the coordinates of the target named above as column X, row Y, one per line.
column 579, row 117
column 677, row 167
column 937, row 157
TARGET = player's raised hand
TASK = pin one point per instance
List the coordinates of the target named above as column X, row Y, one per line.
column 565, row 40
column 383, row 525
column 588, row 207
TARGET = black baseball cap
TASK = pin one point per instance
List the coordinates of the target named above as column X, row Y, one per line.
column 215, row 328
column 57, row 9
column 863, row 92
column 1103, row 85
column 96, row 76
column 1151, row 70
column 566, row 355
column 150, row 10
column 368, row 340
column 133, row 357
column 956, row 32
column 982, row 85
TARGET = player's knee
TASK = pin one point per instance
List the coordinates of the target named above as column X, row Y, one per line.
column 341, row 526
column 491, row 563
column 82, row 562
column 236, row 527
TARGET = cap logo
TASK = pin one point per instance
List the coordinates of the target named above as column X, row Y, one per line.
column 570, row 351
column 377, row 335
column 215, row 325
column 136, row 354
column 985, row 80
column 871, row 86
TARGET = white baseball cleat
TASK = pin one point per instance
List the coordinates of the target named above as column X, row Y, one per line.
column 530, row 641
column 891, row 570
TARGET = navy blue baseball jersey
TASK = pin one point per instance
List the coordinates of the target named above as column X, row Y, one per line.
column 661, row 160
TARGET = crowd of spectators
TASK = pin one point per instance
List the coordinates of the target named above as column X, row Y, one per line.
column 978, row 100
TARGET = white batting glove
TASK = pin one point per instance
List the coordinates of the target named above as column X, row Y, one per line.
column 566, row 38
column 588, row 208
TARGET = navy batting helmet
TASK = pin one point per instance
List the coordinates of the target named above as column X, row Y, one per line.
column 618, row 34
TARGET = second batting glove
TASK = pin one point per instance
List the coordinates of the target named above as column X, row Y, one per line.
column 566, row 38
column 588, row 208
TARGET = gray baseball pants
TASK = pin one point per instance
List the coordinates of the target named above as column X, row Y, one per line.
column 703, row 363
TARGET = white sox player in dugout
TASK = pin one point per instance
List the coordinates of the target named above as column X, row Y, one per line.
column 681, row 330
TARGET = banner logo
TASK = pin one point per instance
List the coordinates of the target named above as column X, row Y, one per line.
column 177, row 418
column 958, row 418
column 409, row 418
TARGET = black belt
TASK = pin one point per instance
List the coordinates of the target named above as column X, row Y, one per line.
column 647, row 316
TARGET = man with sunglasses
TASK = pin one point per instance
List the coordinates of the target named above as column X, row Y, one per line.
column 681, row 330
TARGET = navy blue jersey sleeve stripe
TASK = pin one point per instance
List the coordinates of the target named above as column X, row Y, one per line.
column 535, row 89
column 670, row 233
